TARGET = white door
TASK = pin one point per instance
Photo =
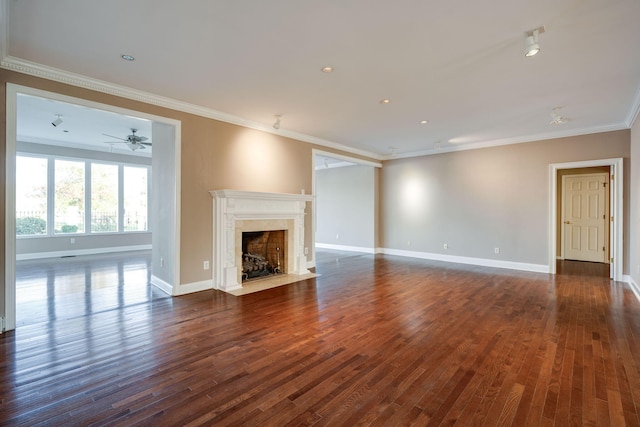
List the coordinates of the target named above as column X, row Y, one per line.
column 586, row 217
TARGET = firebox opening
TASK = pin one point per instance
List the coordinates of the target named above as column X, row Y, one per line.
column 263, row 253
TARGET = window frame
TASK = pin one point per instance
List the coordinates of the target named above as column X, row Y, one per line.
column 51, row 158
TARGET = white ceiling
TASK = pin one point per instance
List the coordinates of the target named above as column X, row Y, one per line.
column 81, row 127
column 458, row 64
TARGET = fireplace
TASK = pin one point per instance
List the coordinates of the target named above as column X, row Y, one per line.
column 263, row 254
column 236, row 213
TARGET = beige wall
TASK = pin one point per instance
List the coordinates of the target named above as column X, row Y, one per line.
column 478, row 200
column 215, row 155
column 634, row 229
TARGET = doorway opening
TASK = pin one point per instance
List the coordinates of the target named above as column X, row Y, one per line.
column 346, row 205
column 165, row 134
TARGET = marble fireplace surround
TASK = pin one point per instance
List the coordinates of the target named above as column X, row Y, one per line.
column 235, row 212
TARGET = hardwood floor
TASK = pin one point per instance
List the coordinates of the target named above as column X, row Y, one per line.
column 374, row 340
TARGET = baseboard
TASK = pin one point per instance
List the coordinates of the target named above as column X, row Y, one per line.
column 189, row 288
column 162, row 285
column 634, row 286
column 537, row 268
column 79, row 252
column 346, row 248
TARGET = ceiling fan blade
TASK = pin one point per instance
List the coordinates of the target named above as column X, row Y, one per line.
column 145, row 143
column 116, row 137
column 115, row 142
column 138, row 138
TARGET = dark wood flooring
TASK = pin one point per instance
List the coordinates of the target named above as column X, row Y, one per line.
column 374, row 340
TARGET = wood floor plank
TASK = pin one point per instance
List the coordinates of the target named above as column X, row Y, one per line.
column 373, row 340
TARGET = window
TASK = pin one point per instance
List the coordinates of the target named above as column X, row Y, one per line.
column 69, row 197
column 31, row 195
column 135, row 198
column 104, row 198
column 57, row 196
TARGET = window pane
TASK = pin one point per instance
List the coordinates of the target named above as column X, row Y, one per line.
column 31, row 196
column 135, row 199
column 69, row 197
column 104, row 198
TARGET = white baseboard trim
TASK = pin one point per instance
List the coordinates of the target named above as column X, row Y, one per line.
column 346, row 248
column 536, row 268
column 189, row 288
column 78, row 252
column 634, row 286
column 162, row 285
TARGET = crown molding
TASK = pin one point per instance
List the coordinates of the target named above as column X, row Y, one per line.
column 634, row 110
column 510, row 141
column 78, row 80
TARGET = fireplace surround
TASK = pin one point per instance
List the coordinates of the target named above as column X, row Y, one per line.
column 235, row 212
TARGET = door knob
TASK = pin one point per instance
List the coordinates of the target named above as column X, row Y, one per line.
column 567, row 222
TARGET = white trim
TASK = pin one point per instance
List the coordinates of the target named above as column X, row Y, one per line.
column 12, row 91
column 10, row 209
column 346, row 248
column 79, row 252
column 615, row 210
column 511, row 265
column 510, row 141
column 58, row 75
column 162, row 285
column 634, row 110
column 55, row 74
column 189, row 288
column 315, row 152
column 634, row 286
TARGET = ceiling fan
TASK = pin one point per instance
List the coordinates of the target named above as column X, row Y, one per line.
column 134, row 141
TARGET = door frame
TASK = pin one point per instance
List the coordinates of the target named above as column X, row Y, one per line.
column 12, row 92
column 615, row 210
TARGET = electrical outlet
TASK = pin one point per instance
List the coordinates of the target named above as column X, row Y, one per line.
column 408, row 242
column 337, row 236
column 306, row 251
column 446, row 246
column 73, row 240
column 161, row 262
column 496, row 250
column 205, row 265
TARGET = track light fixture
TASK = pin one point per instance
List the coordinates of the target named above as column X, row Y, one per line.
column 533, row 47
column 57, row 122
column 276, row 125
column 556, row 118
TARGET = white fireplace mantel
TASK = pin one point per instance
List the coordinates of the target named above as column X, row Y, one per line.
column 237, row 211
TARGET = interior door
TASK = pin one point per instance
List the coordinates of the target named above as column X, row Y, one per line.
column 586, row 217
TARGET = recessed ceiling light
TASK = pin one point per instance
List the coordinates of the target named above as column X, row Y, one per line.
column 127, row 57
column 327, row 69
column 385, row 101
column 424, row 122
